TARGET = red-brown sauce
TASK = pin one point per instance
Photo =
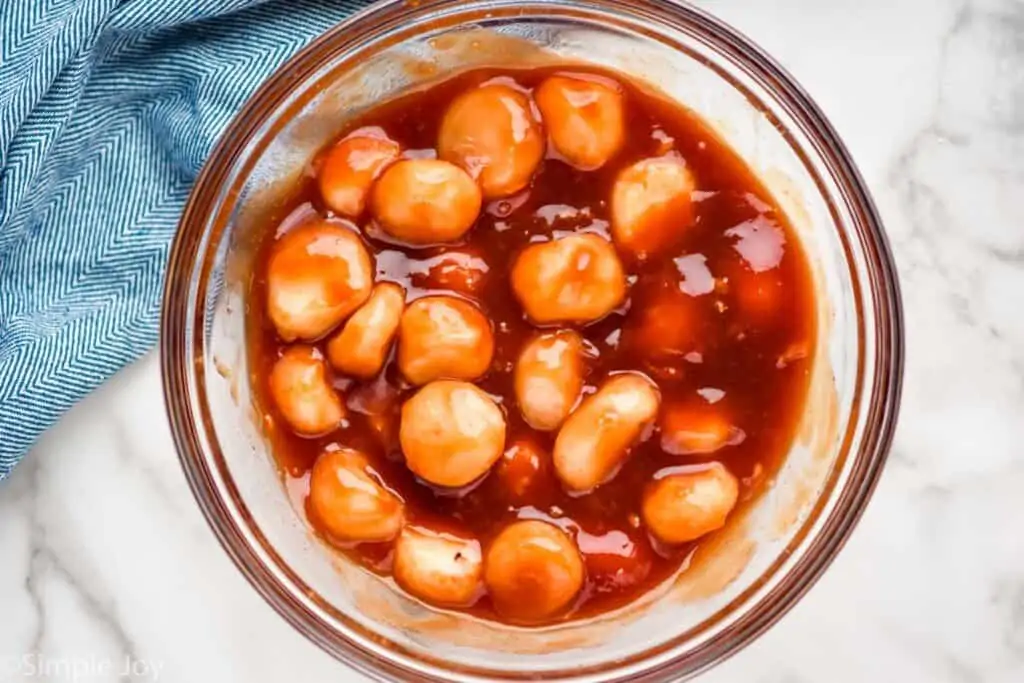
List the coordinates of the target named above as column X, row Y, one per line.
column 741, row 304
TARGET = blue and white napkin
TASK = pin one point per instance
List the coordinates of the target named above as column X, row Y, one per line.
column 108, row 108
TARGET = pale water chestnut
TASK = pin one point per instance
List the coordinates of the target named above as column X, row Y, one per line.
column 425, row 201
column 459, row 270
column 442, row 337
column 549, row 378
column 596, row 439
column 523, row 469
column 684, row 503
column 440, row 568
column 346, row 497
column 532, row 571
column 695, row 429
column 584, row 117
column 451, row 433
column 664, row 325
column 317, row 274
column 493, row 132
column 349, row 168
column 651, row 205
column 300, row 390
column 574, row 279
column 364, row 342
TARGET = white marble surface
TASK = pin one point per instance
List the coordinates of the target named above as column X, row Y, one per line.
column 105, row 559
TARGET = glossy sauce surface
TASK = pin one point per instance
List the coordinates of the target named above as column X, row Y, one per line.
column 722, row 321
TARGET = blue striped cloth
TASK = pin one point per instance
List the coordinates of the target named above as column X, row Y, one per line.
column 108, row 108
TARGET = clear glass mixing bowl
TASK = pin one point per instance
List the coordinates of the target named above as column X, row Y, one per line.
column 751, row 574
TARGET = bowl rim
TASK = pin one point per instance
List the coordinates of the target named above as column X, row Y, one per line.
column 194, row 439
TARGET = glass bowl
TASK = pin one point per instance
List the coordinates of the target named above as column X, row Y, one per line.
column 749, row 575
